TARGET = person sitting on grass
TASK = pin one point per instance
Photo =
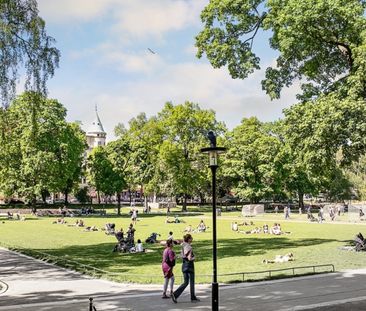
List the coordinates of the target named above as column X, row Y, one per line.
column 201, row 227
column 139, row 247
column 276, row 229
column 177, row 220
column 76, row 224
column 265, row 229
column 234, row 226
column 81, row 223
column 280, row 258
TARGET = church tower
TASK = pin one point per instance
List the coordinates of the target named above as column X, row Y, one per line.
column 96, row 136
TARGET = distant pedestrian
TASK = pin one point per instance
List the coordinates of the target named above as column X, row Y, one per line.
column 286, row 211
column 167, row 266
column 134, row 217
column 320, row 215
column 187, row 269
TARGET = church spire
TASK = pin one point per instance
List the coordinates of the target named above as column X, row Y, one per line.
column 96, row 126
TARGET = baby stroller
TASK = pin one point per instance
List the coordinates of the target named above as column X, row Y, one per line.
column 359, row 243
column 110, row 229
column 152, row 238
column 123, row 245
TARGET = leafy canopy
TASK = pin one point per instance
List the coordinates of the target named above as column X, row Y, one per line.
column 24, row 46
column 321, row 42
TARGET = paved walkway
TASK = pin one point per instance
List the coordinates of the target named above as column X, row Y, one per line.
column 37, row 286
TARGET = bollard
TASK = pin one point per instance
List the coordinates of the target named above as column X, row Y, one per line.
column 91, row 307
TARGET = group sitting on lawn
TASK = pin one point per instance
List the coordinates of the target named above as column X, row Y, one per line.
column 200, row 228
column 275, row 229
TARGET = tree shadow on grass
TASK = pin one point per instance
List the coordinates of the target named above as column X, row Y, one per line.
column 101, row 256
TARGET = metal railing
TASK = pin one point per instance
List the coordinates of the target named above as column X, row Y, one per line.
column 275, row 273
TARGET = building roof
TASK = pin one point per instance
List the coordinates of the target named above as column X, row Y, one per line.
column 96, row 126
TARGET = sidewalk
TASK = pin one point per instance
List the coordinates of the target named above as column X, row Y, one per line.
column 38, row 286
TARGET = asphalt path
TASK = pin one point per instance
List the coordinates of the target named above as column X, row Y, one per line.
column 32, row 285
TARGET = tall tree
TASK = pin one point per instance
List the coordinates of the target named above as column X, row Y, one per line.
column 185, row 128
column 118, row 156
column 253, row 161
column 70, row 156
column 101, row 173
column 33, row 141
column 24, row 46
column 320, row 42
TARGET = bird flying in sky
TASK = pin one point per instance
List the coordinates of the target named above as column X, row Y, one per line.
column 151, row 51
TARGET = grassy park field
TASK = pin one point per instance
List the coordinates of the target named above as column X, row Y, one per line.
column 311, row 244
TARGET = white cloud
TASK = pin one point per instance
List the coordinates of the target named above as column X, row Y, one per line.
column 197, row 82
column 131, row 18
column 73, row 10
column 143, row 18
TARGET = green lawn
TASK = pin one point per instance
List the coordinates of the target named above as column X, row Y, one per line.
column 311, row 243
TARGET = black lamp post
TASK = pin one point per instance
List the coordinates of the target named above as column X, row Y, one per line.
column 213, row 153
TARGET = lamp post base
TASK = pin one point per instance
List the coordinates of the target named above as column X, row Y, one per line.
column 215, row 296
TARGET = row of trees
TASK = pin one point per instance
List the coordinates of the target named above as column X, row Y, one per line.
column 42, row 153
column 263, row 161
column 319, row 146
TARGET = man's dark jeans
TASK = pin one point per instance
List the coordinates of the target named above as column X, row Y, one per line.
column 188, row 278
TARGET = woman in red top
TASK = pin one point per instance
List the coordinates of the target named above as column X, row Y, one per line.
column 167, row 266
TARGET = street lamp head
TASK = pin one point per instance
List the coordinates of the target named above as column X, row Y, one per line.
column 213, row 151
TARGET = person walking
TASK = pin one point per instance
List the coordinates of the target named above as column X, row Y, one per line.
column 187, row 269
column 134, row 217
column 167, row 267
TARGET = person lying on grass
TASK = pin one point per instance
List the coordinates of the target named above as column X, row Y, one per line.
column 280, row 258
column 188, row 229
column 60, row 221
column 91, row 229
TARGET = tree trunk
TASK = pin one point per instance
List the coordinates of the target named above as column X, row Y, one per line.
column 119, row 204
column 301, row 200
column 98, row 195
column 184, row 207
column 66, row 194
column 130, row 196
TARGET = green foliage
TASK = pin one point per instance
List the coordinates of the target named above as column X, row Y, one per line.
column 25, row 45
column 319, row 42
column 101, row 172
column 82, row 195
column 181, row 164
column 356, row 174
column 253, row 161
column 317, row 130
column 40, row 150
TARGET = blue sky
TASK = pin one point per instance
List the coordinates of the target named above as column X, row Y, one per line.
column 105, row 61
